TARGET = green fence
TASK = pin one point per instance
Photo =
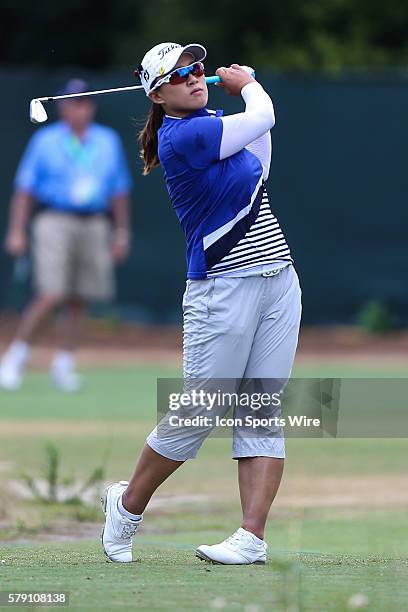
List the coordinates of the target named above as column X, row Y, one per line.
column 338, row 185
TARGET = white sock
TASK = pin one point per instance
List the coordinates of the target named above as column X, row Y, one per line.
column 255, row 538
column 64, row 361
column 18, row 352
column 129, row 515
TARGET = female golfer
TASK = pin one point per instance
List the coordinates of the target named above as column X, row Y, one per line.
column 242, row 303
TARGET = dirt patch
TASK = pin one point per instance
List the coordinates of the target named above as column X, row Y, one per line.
column 106, row 333
column 93, row 357
column 5, row 466
column 342, row 344
column 58, row 531
column 371, row 491
column 67, row 428
column 69, row 531
column 342, row 497
column 108, row 357
column 348, row 340
column 111, row 343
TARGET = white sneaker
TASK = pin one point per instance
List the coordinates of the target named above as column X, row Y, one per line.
column 119, row 530
column 68, row 380
column 242, row 548
column 11, row 375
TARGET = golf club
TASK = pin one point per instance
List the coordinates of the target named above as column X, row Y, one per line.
column 38, row 113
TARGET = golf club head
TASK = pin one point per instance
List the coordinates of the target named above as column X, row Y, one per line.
column 37, row 112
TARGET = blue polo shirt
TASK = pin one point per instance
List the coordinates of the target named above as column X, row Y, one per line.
column 65, row 173
column 216, row 201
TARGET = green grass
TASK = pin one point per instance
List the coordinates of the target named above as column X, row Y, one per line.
column 109, row 394
column 167, row 576
column 130, row 392
column 321, row 554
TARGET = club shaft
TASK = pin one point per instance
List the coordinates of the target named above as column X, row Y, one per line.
column 89, row 93
column 213, row 79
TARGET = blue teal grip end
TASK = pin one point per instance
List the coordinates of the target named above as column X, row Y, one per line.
column 216, row 79
column 212, row 79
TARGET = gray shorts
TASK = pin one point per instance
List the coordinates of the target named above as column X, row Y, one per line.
column 72, row 256
column 236, row 328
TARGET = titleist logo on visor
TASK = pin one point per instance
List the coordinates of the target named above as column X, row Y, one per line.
column 166, row 50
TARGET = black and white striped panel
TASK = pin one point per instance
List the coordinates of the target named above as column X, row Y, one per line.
column 263, row 243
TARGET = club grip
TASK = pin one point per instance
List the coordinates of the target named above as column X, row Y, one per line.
column 216, row 79
column 212, row 79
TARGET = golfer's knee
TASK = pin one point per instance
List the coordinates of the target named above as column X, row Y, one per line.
column 174, row 448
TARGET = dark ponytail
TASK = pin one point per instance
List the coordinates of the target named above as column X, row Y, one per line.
column 148, row 138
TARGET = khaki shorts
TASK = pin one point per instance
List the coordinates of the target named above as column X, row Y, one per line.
column 72, row 256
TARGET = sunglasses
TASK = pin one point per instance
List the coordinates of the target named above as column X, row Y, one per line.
column 180, row 75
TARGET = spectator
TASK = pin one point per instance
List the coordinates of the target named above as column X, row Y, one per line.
column 75, row 176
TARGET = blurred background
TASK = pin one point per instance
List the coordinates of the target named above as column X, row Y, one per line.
column 336, row 70
column 337, row 73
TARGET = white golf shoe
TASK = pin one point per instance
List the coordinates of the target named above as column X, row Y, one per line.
column 119, row 530
column 242, row 548
column 12, row 365
column 67, row 381
column 11, row 374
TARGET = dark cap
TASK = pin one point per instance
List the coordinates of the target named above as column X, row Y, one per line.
column 73, row 86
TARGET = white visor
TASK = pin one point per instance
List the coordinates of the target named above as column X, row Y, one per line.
column 161, row 60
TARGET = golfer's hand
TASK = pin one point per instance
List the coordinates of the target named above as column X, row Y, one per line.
column 16, row 243
column 233, row 79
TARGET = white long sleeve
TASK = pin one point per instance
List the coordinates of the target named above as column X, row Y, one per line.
column 262, row 148
column 250, row 129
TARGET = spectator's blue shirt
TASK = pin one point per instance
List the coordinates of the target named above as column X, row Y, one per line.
column 65, row 173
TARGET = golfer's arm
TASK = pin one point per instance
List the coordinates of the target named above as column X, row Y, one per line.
column 20, row 210
column 242, row 129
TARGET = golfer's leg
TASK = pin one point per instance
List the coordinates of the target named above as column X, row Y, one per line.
column 215, row 347
column 259, row 479
column 261, row 457
column 151, row 471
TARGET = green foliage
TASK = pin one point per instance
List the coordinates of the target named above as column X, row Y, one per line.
column 299, row 35
column 52, row 469
column 376, row 317
column 58, row 487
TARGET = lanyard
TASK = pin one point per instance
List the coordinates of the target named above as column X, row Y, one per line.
column 81, row 154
